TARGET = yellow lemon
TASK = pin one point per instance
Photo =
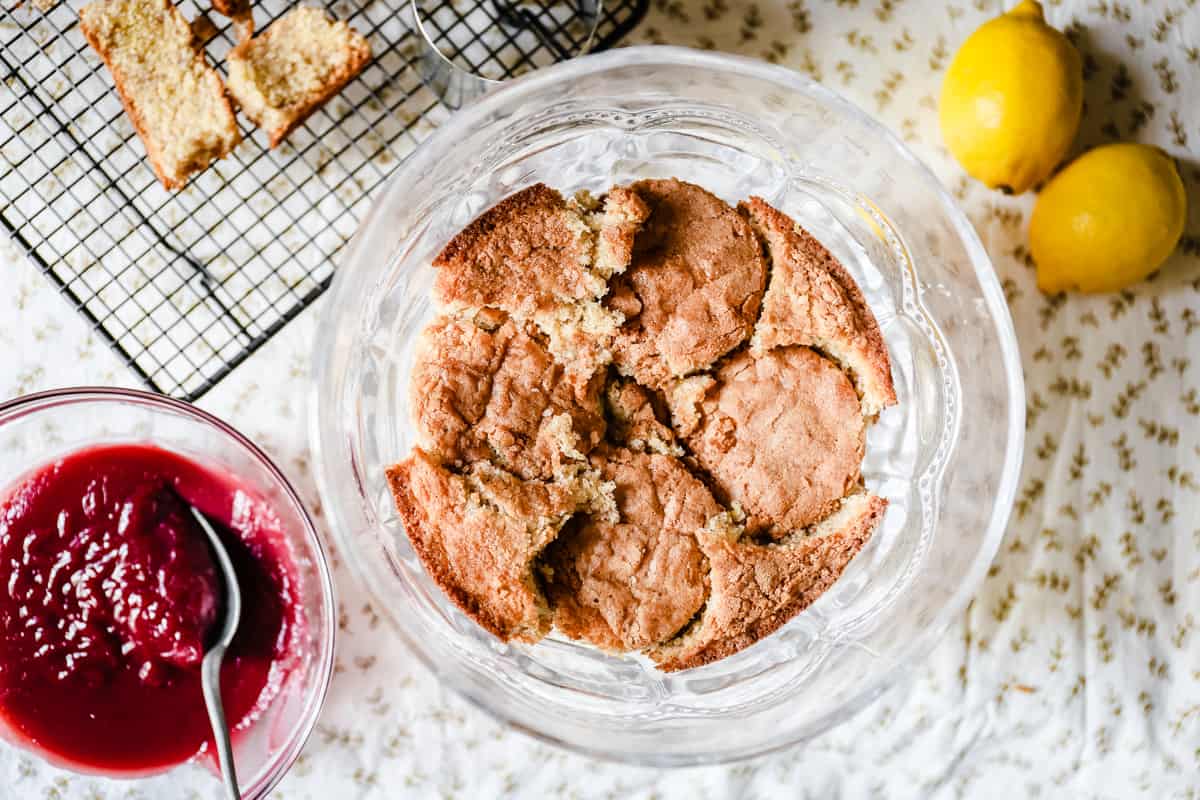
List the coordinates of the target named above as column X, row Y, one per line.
column 1012, row 99
column 1108, row 220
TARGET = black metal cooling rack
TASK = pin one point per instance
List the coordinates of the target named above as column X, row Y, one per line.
column 185, row 285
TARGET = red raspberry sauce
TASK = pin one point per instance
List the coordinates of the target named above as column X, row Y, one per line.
column 108, row 593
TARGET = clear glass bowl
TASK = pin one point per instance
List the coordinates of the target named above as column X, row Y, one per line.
column 37, row 429
column 946, row 458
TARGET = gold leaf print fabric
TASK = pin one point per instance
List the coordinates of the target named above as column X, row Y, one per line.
column 1075, row 671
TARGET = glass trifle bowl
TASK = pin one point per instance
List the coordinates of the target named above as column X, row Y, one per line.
column 946, row 457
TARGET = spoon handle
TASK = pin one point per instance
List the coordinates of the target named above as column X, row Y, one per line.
column 211, row 684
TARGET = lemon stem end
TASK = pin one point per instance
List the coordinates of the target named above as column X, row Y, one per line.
column 1028, row 8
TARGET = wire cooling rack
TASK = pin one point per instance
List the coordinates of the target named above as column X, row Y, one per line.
column 185, row 285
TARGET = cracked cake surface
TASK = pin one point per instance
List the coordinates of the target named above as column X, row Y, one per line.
column 482, row 388
column 781, row 434
column 527, row 253
column 693, row 287
column 641, row 420
column 539, row 257
column 636, row 581
column 756, row 588
column 635, row 421
column 813, row 301
column 478, row 535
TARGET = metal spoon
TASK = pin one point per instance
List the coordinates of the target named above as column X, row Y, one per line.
column 210, row 668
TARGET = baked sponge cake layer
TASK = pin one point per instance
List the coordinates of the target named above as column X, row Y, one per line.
column 631, row 583
column 175, row 99
column 756, row 588
column 693, row 287
column 286, row 73
column 782, row 435
column 482, row 387
column 478, row 533
column 813, row 301
column 641, row 421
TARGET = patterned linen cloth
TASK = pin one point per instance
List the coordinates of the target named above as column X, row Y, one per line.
column 1075, row 672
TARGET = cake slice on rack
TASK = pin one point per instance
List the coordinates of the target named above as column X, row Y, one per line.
column 290, row 70
column 175, row 99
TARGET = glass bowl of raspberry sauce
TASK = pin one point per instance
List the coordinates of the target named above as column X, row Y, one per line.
column 109, row 591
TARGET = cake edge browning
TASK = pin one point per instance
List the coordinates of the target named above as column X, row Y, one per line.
column 357, row 49
column 536, row 198
column 786, row 242
column 426, row 544
column 826, row 551
column 231, row 8
column 154, row 147
column 435, row 563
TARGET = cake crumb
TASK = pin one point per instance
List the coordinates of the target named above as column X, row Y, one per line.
column 635, row 421
column 544, row 259
column 478, row 535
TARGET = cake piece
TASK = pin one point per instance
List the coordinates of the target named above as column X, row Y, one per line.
column 756, row 588
column 533, row 251
column 812, row 300
column 635, row 422
column 482, row 388
column 693, row 288
column 477, row 535
column 782, row 435
column 290, row 70
column 616, row 219
column 175, row 99
column 540, row 258
column 635, row 582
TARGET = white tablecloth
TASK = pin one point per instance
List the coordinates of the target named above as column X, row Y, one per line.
column 1075, row 671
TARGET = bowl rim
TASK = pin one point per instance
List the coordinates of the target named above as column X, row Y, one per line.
column 324, row 441
column 315, row 701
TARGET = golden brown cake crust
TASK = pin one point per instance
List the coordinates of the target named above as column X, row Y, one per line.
column 617, row 227
column 756, row 588
column 812, row 300
column 527, row 253
column 636, row 582
column 782, row 435
column 477, row 535
column 693, row 288
column 687, row 500
column 231, row 8
column 546, row 260
column 485, row 389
